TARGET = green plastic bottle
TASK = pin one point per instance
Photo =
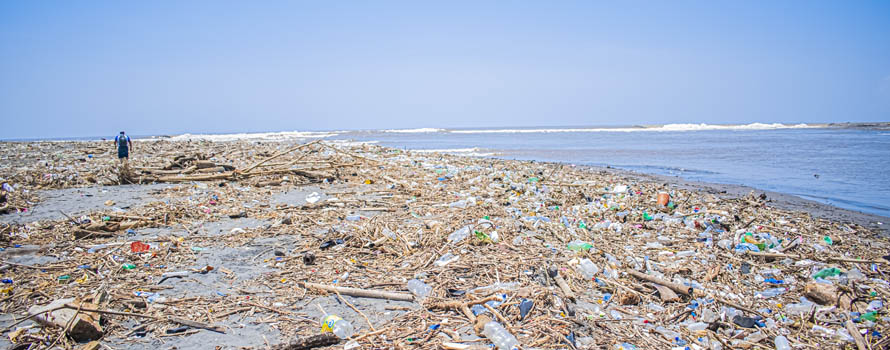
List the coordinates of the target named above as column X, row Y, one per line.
column 579, row 246
column 128, row 266
column 833, row 271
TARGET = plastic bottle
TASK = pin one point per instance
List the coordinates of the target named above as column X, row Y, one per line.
column 742, row 247
column 685, row 253
column 769, row 293
column 588, row 269
column 827, row 273
column 459, row 235
column 340, row 327
column 500, row 336
column 446, row 259
column 782, row 343
column 667, row 333
column 419, row 289
column 697, row 326
column 579, row 245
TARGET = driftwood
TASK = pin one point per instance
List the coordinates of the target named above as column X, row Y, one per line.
column 356, row 292
column 679, row 288
column 310, row 342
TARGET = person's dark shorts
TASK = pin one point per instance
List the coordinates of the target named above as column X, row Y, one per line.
column 123, row 153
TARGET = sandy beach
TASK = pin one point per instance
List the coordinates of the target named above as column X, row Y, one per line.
column 236, row 245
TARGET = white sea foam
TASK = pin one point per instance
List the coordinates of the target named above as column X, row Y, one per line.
column 666, row 127
column 259, row 136
column 472, row 152
column 414, row 131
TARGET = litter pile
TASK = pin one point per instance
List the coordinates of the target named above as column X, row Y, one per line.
column 326, row 244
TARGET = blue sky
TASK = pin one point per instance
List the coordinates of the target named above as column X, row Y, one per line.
column 87, row 68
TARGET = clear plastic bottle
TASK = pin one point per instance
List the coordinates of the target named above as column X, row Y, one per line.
column 500, row 336
column 697, row 326
column 340, row 327
column 667, row 333
column 769, row 293
column 588, row 269
column 418, row 288
column 685, row 253
column 782, row 343
column 459, row 235
column 446, row 259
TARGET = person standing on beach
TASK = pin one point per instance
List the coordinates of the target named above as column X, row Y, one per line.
column 124, row 145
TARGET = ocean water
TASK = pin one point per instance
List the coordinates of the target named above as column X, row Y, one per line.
column 848, row 168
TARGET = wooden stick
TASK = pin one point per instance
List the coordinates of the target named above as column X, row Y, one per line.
column 356, row 310
column 679, row 288
column 356, row 292
column 561, row 282
column 857, row 337
column 740, row 307
column 276, row 156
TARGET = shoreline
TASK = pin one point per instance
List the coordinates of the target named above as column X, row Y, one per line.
column 779, row 200
column 246, row 233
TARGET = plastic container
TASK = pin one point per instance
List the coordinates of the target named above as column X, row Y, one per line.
column 340, row 327
column 418, row 288
column 588, row 269
column 501, row 338
column 782, row 343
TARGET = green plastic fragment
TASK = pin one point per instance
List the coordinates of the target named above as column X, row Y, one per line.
column 871, row 316
column 647, row 217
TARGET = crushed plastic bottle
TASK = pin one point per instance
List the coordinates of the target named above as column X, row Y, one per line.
column 418, row 288
column 340, row 327
column 459, row 235
column 501, row 338
column 742, row 247
column 588, row 269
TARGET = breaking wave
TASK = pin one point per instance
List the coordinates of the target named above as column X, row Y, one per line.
column 666, row 127
column 414, row 131
column 472, row 152
column 259, row 136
